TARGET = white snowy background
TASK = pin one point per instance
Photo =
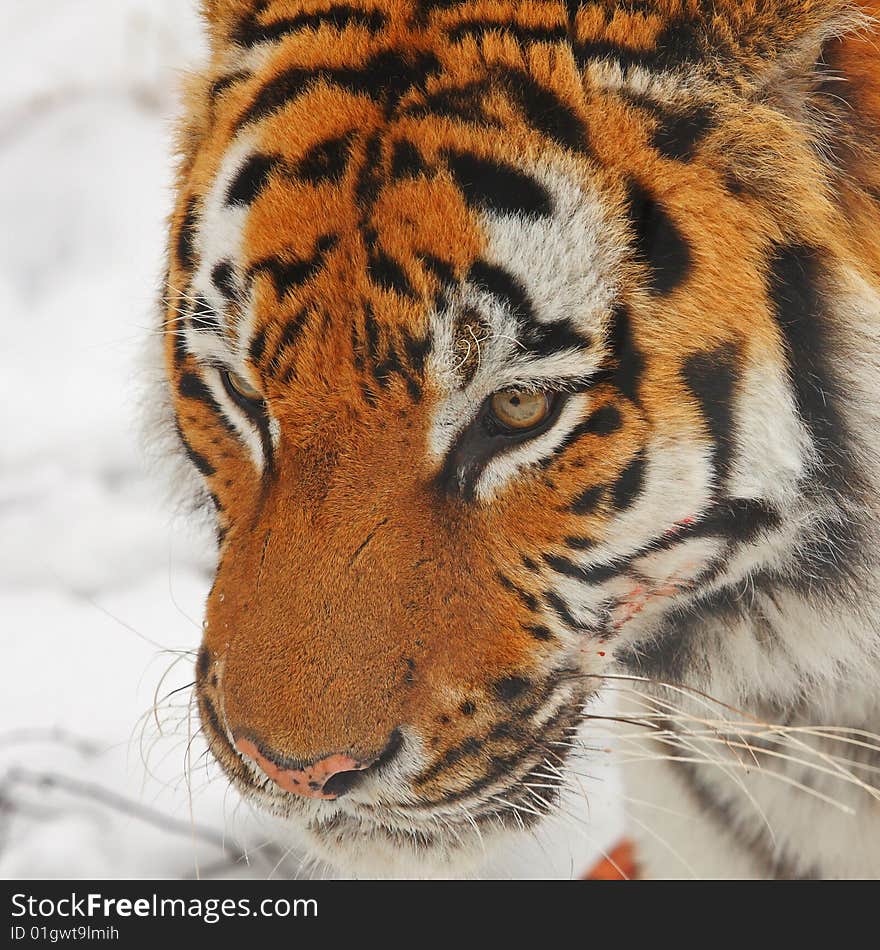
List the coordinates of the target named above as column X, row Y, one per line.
column 101, row 587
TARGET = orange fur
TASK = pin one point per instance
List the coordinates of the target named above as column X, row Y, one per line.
column 352, row 595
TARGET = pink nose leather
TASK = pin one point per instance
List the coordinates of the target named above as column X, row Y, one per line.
column 308, row 782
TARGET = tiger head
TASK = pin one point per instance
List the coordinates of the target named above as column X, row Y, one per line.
column 492, row 333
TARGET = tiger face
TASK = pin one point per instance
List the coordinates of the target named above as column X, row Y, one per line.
column 485, row 338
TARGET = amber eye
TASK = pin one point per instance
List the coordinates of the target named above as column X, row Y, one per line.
column 519, row 410
column 241, row 390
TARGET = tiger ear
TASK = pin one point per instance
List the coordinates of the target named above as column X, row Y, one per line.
column 800, row 49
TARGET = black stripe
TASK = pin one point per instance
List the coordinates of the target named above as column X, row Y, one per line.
column 223, row 277
column 386, row 77
column 197, row 459
column 258, row 346
column 388, row 273
column 511, row 688
column 462, row 103
column 712, row 378
column 524, row 35
column 678, row 135
column 325, row 161
column 541, row 339
column 186, row 255
column 497, row 186
column 556, row 603
column 541, row 107
column 528, row 600
column 539, row 632
column 219, row 86
column 406, row 161
column 292, row 331
column 251, row 31
column 604, row 421
column 416, row 349
column 546, row 112
column 594, row 574
column 289, row 275
column 629, row 483
column 809, row 338
column 626, row 365
column 251, row 179
column 504, row 286
column 192, row 386
column 369, row 181
column 442, row 270
column 659, row 243
column 682, row 42
column 588, row 500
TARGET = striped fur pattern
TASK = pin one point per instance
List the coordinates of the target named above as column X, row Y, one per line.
column 661, row 214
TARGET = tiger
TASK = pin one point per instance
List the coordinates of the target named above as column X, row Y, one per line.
column 524, row 354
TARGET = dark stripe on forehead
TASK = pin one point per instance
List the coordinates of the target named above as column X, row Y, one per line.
column 252, row 31
column 251, row 179
column 325, row 161
column 716, row 38
column 658, row 241
column 463, row 103
column 384, row 271
column 546, row 112
column 541, row 107
column 406, row 161
column 677, row 136
column 497, row 186
column 504, row 286
column 369, row 179
column 386, row 76
column 477, row 29
column 289, row 275
column 677, row 133
column 541, row 339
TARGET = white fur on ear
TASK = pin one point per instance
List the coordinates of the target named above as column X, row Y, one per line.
column 788, row 78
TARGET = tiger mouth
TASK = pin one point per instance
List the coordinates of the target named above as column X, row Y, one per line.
column 498, row 802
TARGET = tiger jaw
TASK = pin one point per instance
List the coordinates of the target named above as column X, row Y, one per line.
column 389, row 825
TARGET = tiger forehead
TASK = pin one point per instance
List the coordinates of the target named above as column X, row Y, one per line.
column 357, row 165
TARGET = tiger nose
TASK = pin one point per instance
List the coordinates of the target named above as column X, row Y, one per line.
column 327, row 778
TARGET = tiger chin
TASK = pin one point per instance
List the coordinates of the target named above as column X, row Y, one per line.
column 525, row 354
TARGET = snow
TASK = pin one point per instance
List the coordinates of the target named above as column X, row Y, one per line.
column 101, row 587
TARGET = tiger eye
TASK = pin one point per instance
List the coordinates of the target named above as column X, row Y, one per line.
column 242, row 387
column 519, row 410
